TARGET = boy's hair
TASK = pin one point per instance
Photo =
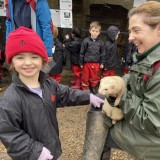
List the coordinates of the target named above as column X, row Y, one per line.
column 76, row 32
column 24, row 40
column 95, row 24
column 55, row 33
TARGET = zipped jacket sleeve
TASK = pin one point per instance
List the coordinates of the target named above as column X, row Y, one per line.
column 20, row 145
column 102, row 56
column 72, row 97
column 107, row 62
column 83, row 51
column 42, row 9
column 9, row 21
column 143, row 111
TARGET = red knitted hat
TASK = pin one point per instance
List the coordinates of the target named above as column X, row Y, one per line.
column 24, row 40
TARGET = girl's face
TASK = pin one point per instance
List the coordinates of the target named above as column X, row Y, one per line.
column 27, row 64
column 141, row 34
column 94, row 32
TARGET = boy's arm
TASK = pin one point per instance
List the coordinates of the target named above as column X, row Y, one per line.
column 83, row 50
column 102, row 54
column 69, row 45
column 44, row 17
column 107, row 50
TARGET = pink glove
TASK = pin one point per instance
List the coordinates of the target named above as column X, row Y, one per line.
column 45, row 154
column 96, row 101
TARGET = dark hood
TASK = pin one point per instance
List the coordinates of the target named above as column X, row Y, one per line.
column 112, row 32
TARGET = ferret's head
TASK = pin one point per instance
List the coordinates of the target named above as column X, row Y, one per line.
column 107, row 87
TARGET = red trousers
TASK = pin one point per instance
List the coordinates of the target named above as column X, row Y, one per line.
column 110, row 72
column 90, row 77
column 57, row 77
column 125, row 70
column 77, row 71
column 1, row 73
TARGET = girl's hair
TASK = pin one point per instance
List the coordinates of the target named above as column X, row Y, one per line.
column 95, row 24
column 76, row 32
column 55, row 32
column 152, row 11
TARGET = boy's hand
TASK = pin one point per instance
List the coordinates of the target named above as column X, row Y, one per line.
column 81, row 66
column 50, row 59
column 67, row 36
column 101, row 66
column 96, row 101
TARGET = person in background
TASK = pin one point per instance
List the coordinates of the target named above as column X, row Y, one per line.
column 67, row 39
column 33, row 14
column 74, row 47
column 29, row 127
column 129, row 50
column 92, row 58
column 138, row 133
column 58, row 58
column 111, row 52
column 2, row 59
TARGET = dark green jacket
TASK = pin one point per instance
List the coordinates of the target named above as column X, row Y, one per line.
column 139, row 132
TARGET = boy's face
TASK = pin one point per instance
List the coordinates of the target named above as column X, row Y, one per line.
column 27, row 64
column 117, row 36
column 94, row 32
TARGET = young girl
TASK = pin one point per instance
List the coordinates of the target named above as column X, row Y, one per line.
column 29, row 127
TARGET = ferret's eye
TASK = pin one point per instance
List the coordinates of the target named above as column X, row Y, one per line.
column 106, row 89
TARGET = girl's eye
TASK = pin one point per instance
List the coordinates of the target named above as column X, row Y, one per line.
column 19, row 57
column 35, row 57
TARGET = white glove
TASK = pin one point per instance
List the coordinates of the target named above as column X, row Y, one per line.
column 96, row 101
column 45, row 154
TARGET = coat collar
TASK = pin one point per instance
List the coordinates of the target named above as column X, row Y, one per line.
column 42, row 78
column 149, row 57
column 145, row 66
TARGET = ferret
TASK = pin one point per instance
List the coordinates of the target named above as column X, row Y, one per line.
column 113, row 86
column 114, row 113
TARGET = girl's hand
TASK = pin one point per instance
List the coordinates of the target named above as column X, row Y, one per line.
column 45, row 154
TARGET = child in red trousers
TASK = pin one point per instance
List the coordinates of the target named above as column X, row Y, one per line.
column 91, row 58
column 74, row 47
column 58, row 58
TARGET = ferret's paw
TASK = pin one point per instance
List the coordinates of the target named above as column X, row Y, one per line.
column 116, row 102
column 114, row 121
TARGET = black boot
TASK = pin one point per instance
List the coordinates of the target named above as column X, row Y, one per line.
column 94, row 90
column 96, row 133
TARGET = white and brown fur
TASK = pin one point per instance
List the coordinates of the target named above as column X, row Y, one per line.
column 113, row 86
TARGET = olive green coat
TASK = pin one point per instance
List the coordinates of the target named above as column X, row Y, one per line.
column 139, row 132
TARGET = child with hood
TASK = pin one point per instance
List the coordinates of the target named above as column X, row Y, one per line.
column 111, row 53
